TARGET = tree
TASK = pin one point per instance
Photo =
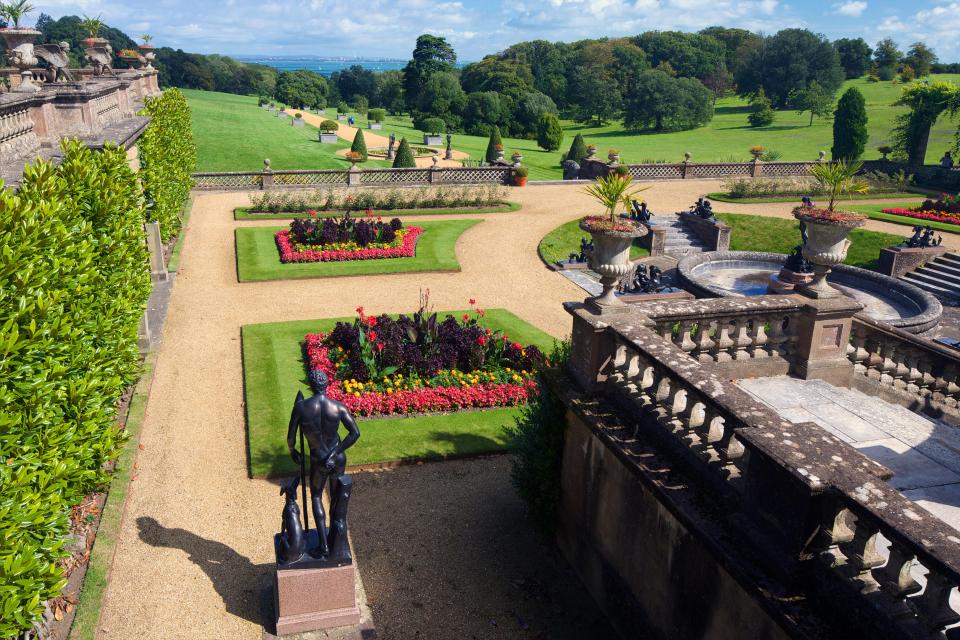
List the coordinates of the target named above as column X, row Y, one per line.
column 921, row 58
column 761, row 111
column 691, row 54
column 737, row 44
column 356, row 80
column 531, row 108
column 849, row 126
column 854, row 56
column 404, row 158
column 431, row 55
column 443, row 98
column 789, row 61
column 390, row 91
column 578, row 149
column 548, row 63
column 594, row 93
column 886, row 54
column 813, row 99
column 301, row 88
column 484, row 110
column 492, row 144
column 360, row 104
column 549, row 132
column 503, row 75
column 667, row 104
column 359, row 145
column 926, row 101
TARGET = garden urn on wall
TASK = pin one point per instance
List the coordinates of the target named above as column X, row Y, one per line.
column 611, row 255
column 826, row 244
column 21, row 55
column 149, row 54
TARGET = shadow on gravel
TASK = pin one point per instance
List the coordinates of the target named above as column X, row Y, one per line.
column 243, row 586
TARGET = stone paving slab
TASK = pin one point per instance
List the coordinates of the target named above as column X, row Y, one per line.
column 913, row 469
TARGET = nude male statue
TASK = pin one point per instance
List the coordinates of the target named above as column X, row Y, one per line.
column 318, row 418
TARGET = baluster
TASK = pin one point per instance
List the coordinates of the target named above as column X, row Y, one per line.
column 741, row 338
column 859, row 355
column 777, row 338
column 723, row 342
column 692, row 418
column 952, row 388
column 862, row 555
column 934, row 602
column 684, row 341
column 835, row 532
column 888, row 365
column 704, row 343
column 759, row 339
column 895, row 580
column 913, row 377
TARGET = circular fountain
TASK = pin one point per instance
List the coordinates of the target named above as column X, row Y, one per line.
column 721, row 274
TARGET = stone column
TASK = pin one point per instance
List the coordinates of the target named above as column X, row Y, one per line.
column 353, row 176
column 823, row 333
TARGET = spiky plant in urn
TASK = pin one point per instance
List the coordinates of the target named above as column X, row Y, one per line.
column 19, row 42
column 827, row 229
column 149, row 51
column 612, row 237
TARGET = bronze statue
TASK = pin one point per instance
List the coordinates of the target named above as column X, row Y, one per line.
column 292, row 542
column 318, row 419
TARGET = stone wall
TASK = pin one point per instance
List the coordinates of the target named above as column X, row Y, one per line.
column 896, row 261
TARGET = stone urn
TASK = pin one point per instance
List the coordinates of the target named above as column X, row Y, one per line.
column 149, row 54
column 591, row 153
column 613, row 158
column 610, row 256
column 20, row 54
column 499, row 155
column 826, row 244
column 517, row 158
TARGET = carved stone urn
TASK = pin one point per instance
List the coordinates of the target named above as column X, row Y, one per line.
column 149, row 54
column 826, row 244
column 610, row 256
column 20, row 54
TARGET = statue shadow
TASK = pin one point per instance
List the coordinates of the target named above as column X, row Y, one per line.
column 244, row 587
column 466, row 443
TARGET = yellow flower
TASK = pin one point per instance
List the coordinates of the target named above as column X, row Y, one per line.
column 356, row 393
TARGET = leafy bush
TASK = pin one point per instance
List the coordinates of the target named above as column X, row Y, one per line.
column 770, row 156
column 329, row 126
column 433, row 125
column 549, row 132
column 850, row 126
column 578, row 150
column 521, row 172
column 343, row 108
column 168, row 157
column 70, row 303
column 761, row 111
column 359, row 146
column 494, row 144
column 377, row 115
column 381, row 199
column 404, row 158
column 536, row 442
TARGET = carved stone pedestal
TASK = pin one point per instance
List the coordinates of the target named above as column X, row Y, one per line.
column 315, row 597
column 787, row 281
column 823, row 334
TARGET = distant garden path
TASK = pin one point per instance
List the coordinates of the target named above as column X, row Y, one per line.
column 194, row 558
column 372, row 139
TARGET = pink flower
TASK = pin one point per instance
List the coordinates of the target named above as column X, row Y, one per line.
column 481, row 340
column 379, row 346
column 465, row 317
column 372, row 335
column 288, row 253
column 472, row 302
column 371, row 321
column 313, row 214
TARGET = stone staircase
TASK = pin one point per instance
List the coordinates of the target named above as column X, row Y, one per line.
column 681, row 240
column 940, row 276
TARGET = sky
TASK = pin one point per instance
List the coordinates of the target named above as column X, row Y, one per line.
column 389, row 28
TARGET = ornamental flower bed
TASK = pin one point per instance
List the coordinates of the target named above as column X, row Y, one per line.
column 946, row 209
column 331, row 240
column 378, row 365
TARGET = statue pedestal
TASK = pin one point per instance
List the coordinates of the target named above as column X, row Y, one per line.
column 310, row 597
column 787, row 281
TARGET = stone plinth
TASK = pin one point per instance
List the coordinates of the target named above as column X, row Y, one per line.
column 787, row 281
column 823, row 333
column 896, row 261
column 315, row 598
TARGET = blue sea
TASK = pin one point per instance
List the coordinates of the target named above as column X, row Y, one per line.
column 322, row 65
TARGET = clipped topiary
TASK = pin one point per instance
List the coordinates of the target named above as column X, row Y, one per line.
column 849, row 126
column 404, row 158
column 359, row 145
column 493, row 145
column 329, row 126
column 376, row 115
column 578, row 149
column 434, row 125
column 549, row 133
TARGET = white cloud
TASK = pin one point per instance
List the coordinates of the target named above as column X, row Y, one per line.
column 852, row 9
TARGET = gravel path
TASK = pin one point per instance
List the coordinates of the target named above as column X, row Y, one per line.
column 194, row 554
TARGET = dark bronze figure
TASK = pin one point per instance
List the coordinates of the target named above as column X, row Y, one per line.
column 586, row 248
column 703, row 209
column 292, row 543
column 318, row 419
column 646, row 281
column 571, row 170
column 640, row 212
column 393, row 140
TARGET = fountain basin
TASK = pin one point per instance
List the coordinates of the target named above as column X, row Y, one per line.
column 720, row 274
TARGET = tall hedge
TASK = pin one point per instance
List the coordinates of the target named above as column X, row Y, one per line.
column 849, row 126
column 578, row 149
column 404, row 158
column 359, row 145
column 168, row 157
column 549, row 132
column 491, row 155
column 74, row 281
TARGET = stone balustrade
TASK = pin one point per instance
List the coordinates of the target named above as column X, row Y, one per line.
column 901, row 368
column 270, row 179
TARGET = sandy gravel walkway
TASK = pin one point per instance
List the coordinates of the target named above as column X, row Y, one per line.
column 372, row 139
column 193, row 560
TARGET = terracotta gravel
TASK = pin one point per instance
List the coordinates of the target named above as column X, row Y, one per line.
column 194, row 553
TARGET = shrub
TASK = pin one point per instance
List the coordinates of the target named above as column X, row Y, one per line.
column 329, row 126
column 761, row 111
column 770, row 156
column 404, row 158
column 521, row 172
column 850, row 126
column 377, row 115
column 359, row 145
column 549, row 132
column 168, row 157
column 433, row 125
column 886, row 73
column 410, row 198
column 342, row 108
column 578, row 149
column 298, row 116
column 491, row 155
column 70, row 310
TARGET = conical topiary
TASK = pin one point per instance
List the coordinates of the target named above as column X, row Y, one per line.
column 492, row 145
column 404, row 158
column 850, row 126
column 578, row 150
column 359, row 145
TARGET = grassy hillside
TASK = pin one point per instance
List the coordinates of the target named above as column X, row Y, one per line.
column 726, row 138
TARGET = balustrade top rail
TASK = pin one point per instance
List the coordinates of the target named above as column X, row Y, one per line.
column 267, row 178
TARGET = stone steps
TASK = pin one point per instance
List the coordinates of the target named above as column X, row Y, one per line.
column 680, row 240
column 940, row 276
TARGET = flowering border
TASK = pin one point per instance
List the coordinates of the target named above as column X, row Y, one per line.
column 423, row 400
column 289, row 253
column 935, row 216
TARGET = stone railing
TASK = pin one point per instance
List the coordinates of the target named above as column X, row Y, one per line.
column 902, row 368
column 813, row 512
column 354, row 176
column 16, row 131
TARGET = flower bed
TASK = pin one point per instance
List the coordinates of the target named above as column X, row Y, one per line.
column 417, row 364
column 329, row 240
column 946, row 209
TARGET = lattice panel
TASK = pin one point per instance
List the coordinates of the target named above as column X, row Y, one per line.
column 308, row 178
column 226, row 180
column 395, row 176
column 475, row 175
column 786, row 168
column 656, row 171
column 719, row 170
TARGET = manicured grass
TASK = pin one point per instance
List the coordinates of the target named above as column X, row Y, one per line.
column 86, row 622
column 875, row 211
column 173, row 265
column 723, row 197
column 259, row 259
column 565, row 239
column 778, row 235
column 233, row 134
column 243, row 213
column 273, row 372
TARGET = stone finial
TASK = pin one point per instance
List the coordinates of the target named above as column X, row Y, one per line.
column 266, row 164
column 821, row 155
column 687, row 156
column 435, row 158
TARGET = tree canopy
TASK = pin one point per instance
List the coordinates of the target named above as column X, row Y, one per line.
column 663, row 103
column 431, row 55
column 854, row 56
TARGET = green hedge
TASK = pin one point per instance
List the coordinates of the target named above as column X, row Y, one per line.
column 167, row 158
column 74, row 280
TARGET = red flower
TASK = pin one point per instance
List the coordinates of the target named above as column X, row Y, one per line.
column 372, row 335
column 472, row 302
column 465, row 317
column 360, row 310
column 288, row 253
column 517, row 346
column 481, row 313
column 379, row 346
column 371, row 321
column 481, row 340
column 313, row 214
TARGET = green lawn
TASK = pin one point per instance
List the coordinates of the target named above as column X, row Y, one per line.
column 875, row 211
column 778, row 235
column 259, row 259
column 565, row 239
column 274, row 371
column 243, row 213
column 233, row 134
column 723, row 197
